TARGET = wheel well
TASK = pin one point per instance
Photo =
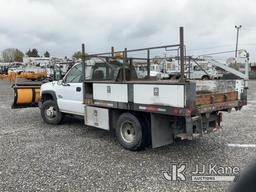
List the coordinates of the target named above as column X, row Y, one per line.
column 116, row 113
column 46, row 97
column 143, row 117
column 207, row 76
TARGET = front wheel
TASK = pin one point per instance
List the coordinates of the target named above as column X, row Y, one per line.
column 129, row 132
column 50, row 112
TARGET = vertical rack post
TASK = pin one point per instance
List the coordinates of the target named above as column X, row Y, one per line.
column 124, row 62
column 112, row 52
column 189, row 66
column 83, row 71
column 83, row 61
column 148, row 63
column 182, row 79
column 130, row 68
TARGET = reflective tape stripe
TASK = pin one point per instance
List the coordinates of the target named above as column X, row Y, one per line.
column 103, row 103
column 152, row 108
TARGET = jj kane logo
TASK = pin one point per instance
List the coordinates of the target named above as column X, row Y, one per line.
column 200, row 173
column 177, row 172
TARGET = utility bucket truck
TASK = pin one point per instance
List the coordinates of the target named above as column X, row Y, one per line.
column 107, row 92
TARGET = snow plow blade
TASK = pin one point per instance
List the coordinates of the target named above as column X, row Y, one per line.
column 26, row 95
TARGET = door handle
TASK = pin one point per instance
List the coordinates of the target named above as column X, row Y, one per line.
column 78, row 89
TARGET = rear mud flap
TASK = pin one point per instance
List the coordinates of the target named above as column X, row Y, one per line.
column 161, row 131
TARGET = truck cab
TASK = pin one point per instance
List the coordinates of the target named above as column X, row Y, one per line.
column 155, row 71
column 66, row 96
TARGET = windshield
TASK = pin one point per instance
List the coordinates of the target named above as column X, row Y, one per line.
column 74, row 75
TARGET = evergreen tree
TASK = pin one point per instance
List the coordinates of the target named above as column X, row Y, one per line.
column 28, row 53
column 46, row 54
column 34, row 53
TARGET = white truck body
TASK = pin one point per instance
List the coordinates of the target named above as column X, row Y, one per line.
column 146, row 112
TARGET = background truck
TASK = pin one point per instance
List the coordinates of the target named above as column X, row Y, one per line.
column 205, row 72
column 109, row 95
column 155, row 71
column 195, row 68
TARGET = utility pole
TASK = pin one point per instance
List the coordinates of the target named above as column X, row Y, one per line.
column 237, row 34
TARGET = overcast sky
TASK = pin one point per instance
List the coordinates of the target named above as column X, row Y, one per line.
column 60, row 26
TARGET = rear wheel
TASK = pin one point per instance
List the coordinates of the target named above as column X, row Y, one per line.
column 129, row 132
column 50, row 112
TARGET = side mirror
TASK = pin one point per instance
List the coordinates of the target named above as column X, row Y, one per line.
column 57, row 75
column 63, row 83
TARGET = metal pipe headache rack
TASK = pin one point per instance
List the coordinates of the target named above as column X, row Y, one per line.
column 124, row 56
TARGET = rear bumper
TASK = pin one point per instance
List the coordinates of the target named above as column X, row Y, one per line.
column 218, row 106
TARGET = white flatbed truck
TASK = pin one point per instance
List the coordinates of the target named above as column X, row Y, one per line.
column 107, row 93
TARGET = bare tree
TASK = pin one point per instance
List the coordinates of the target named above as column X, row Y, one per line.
column 12, row 54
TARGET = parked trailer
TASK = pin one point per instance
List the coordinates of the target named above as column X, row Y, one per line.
column 108, row 94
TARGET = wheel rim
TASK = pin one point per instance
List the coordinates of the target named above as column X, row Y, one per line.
column 128, row 132
column 51, row 112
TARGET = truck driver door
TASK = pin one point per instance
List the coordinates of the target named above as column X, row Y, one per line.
column 70, row 92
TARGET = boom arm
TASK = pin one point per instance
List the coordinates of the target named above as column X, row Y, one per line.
column 231, row 70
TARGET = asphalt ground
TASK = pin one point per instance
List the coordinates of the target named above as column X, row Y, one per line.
column 35, row 156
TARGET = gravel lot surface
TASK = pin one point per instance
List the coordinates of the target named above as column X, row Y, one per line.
column 35, row 156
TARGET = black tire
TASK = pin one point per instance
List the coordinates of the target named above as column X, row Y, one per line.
column 129, row 132
column 50, row 112
column 205, row 77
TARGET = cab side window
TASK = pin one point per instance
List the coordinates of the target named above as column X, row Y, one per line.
column 74, row 75
column 101, row 72
column 196, row 68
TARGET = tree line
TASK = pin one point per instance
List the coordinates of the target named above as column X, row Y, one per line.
column 34, row 53
column 16, row 55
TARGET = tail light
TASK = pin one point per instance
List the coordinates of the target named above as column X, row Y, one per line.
column 177, row 111
column 189, row 111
